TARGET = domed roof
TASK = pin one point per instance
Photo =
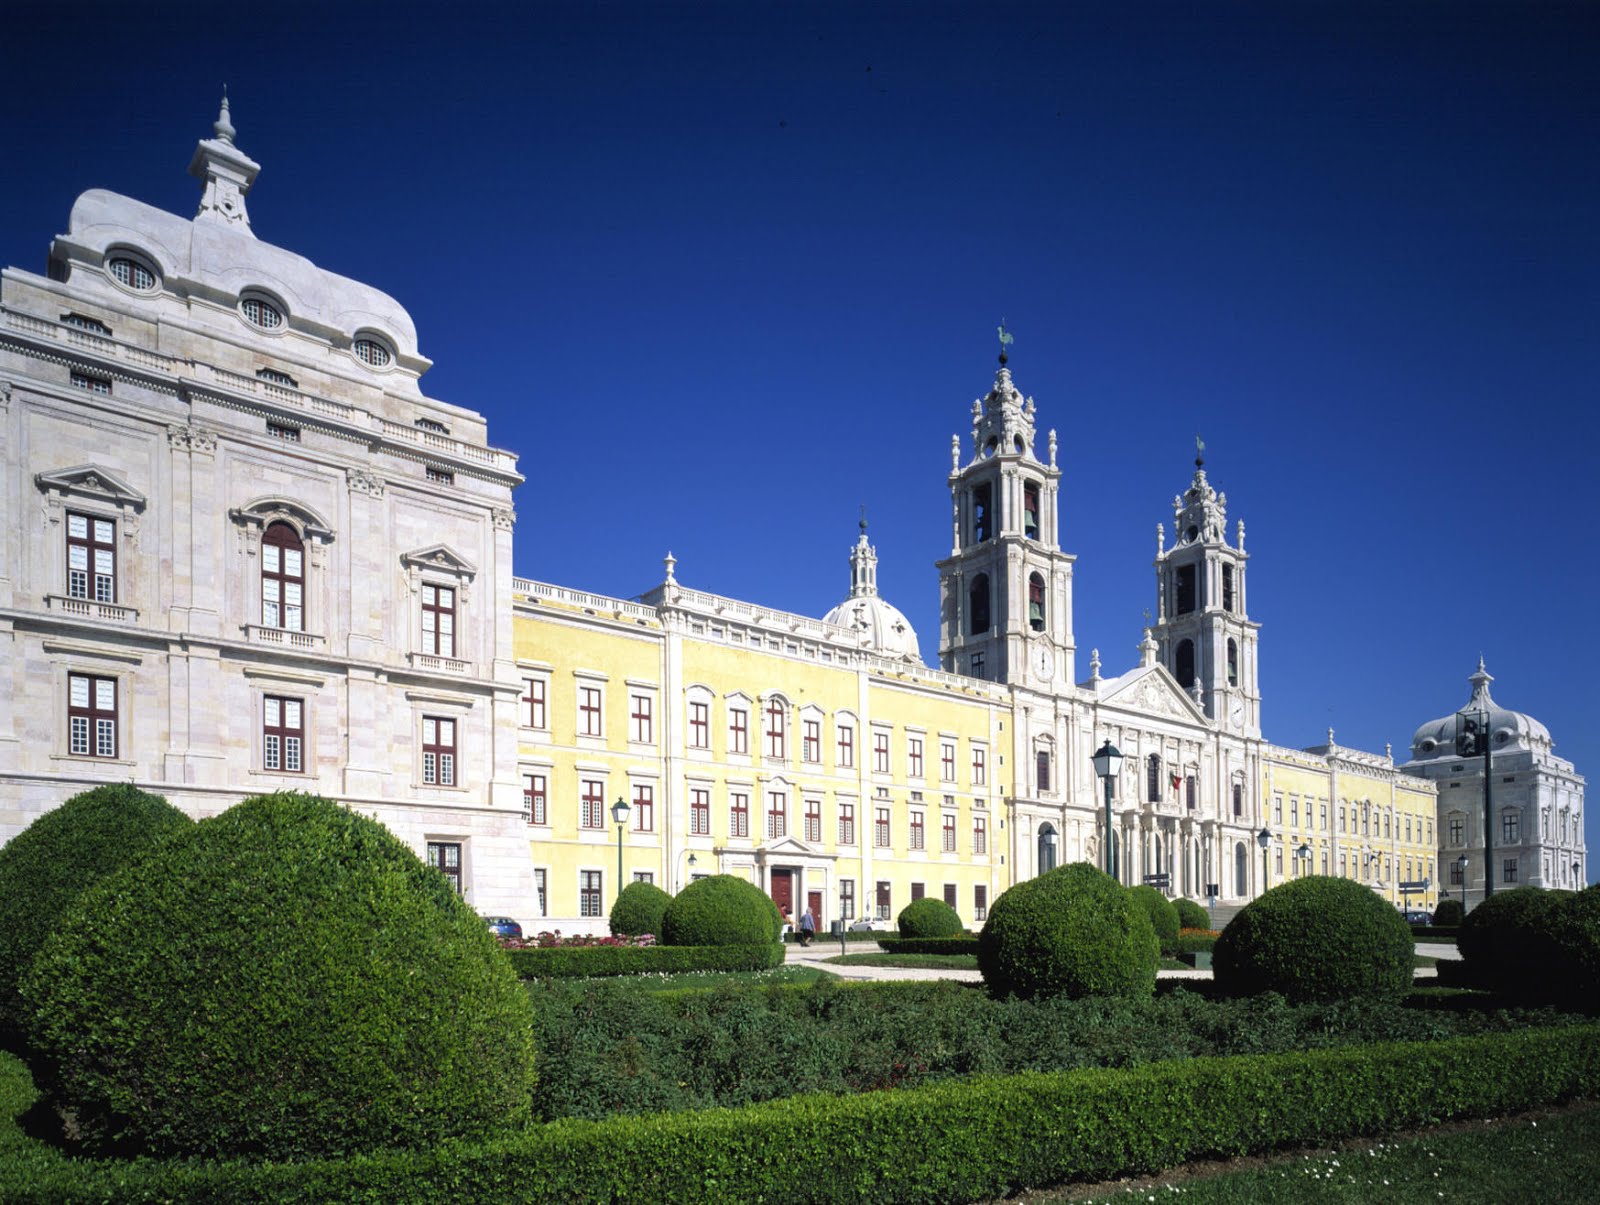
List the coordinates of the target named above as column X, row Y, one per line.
column 879, row 625
column 1508, row 729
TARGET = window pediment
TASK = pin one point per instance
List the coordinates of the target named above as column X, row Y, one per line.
column 264, row 511
column 439, row 558
column 91, row 481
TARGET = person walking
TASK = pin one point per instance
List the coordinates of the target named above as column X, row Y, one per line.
column 808, row 926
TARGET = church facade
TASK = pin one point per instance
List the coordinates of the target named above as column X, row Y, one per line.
column 248, row 553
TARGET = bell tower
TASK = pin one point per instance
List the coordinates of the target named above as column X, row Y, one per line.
column 1203, row 632
column 1006, row 588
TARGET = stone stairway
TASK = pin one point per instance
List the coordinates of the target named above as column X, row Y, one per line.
column 1223, row 913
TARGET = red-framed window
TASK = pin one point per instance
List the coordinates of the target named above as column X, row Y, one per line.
column 847, row 747
column 536, row 714
column 438, row 751
column 439, row 620
column 814, row 820
column 591, row 804
column 918, row 890
column 847, row 824
column 918, row 840
column 699, row 812
column 914, row 756
column 590, row 716
column 283, row 734
column 884, row 900
column 847, row 899
column 541, row 888
column 738, row 814
column 641, row 720
column 283, row 578
column 738, row 730
column 1042, row 769
column 880, row 752
column 91, row 558
column 536, row 799
column 947, row 761
column 950, row 894
column 880, row 829
column 811, row 741
column 980, row 767
column 644, row 808
column 980, row 902
column 949, row 832
column 775, row 732
column 91, row 716
column 980, row 835
column 590, row 892
column 777, row 814
column 699, row 725
column 445, row 857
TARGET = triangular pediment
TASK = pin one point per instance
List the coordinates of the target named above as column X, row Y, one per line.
column 90, row 480
column 791, row 847
column 441, row 557
column 1152, row 689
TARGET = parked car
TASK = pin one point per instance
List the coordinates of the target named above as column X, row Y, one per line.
column 504, row 926
column 1415, row 917
column 861, row 926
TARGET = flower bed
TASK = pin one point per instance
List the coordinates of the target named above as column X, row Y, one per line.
column 552, row 940
column 600, row 956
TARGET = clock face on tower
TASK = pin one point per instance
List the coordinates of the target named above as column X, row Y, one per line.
column 1236, row 712
column 1044, row 662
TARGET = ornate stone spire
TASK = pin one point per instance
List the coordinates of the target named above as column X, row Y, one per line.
column 1480, row 687
column 863, row 564
column 1002, row 422
column 1201, row 514
column 227, row 174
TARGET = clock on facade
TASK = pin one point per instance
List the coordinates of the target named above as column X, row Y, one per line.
column 1236, row 712
column 1044, row 662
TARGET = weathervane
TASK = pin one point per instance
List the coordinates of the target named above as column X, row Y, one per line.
column 1006, row 339
column 1199, row 452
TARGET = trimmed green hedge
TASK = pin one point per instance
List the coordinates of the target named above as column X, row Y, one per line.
column 721, row 910
column 1163, row 916
column 1191, row 915
column 928, row 917
column 1435, row 932
column 1192, row 943
column 963, row 943
column 1449, row 914
column 997, row 1135
column 640, row 908
column 581, row 962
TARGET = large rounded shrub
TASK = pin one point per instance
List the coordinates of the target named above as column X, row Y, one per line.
column 721, row 910
column 640, row 908
column 285, row 980
column 1449, row 913
column 1163, row 916
column 1316, row 938
column 56, row 858
column 929, row 917
column 1191, row 915
column 1509, row 944
column 1072, row 931
column 1577, row 941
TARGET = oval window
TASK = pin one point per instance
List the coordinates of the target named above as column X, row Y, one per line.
column 259, row 312
column 132, row 273
column 372, row 353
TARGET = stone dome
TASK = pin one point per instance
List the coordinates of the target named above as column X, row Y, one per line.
column 879, row 625
column 1507, row 729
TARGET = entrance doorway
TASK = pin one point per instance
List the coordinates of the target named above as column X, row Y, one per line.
column 782, row 891
column 814, row 902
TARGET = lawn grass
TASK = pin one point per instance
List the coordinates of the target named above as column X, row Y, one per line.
column 1552, row 1157
column 935, row 962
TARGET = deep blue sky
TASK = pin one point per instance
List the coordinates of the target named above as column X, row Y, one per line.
column 723, row 273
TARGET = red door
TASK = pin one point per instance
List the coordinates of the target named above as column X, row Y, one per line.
column 783, row 891
column 814, row 902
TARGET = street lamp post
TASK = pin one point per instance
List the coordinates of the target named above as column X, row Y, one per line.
column 1108, row 764
column 619, row 813
column 1472, row 736
column 683, row 882
column 1303, row 856
column 1461, row 864
column 1264, row 840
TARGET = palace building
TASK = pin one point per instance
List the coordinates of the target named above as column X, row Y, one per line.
column 247, row 553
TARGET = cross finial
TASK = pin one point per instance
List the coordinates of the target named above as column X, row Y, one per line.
column 223, row 127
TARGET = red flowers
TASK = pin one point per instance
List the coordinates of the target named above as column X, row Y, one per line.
column 550, row 941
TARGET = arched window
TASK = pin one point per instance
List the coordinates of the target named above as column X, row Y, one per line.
column 1238, row 798
column 1030, row 510
column 1036, row 602
column 1233, row 663
column 1157, row 852
column 1153, row 777
column 1047, row 847
column 978, row 606
column 1184, row 664
column 1241, row 870
column 1042, row 770
column 1227, row 588
column 982, row 522
column 283, row 578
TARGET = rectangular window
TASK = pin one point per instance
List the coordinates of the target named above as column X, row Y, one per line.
column 541, row 890
column 699, row 812
column 591, row 804
column 438, row 751
column 918, row 890
column 1227, row 587
column 847, row 824
column 641, row 722
column 1322, row 816
column 644, row 876
column 590, row 884
column 1457, row 830
column 914, row 756
column 777, row 814
column 776, row 715
column 1508, row 871
column 883, row 900
column 91, row 558
column 814, row 820
column 534, row 714
column 1238, row 799
column 644, row 808
column 950, row 894
column 1042, row 770
column 980, row 835
column 738, row 730
column 880, row 752
column 535, row 799
column 439, row 476
column 284, row 432
column 738, row 814
column 975, row 665
column 590, row 715
column 438, row 620
column 1456, row 873
column 811, row 741
column 916, row 830
column 1277, row 809
column 699, row 725
column 980, row 902
column 1277, row 863
column 847, row 747
column 980, row 767
column 92, row 715
column 847, row 899
column 283, row 734
column 93, row 384
column 880, row 829
column 1191, row 792
column 1510, row 828
column 1186, row 591
column 949, row 832
column 445, row 857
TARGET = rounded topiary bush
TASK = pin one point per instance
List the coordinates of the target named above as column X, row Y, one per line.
column 56, row 858
column 1163, row 915
column 1191, row 915
column 721, row 910
column 1508, row 942
column 1577, row 942
column 1072, row 931
column 1448, row 913
column 640, row 908
column 286, row 980
column 929, row 917
column 1316, row 938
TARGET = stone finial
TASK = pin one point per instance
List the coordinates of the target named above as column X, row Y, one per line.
column 1240, row 538
column 671, row 563
column 1094, row 665
column 955, row 453
column 1161, row 538
column 1388, row 750
column 223, row 127
column 1330, row 738
column 1147, row 650
column 1052, row 447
